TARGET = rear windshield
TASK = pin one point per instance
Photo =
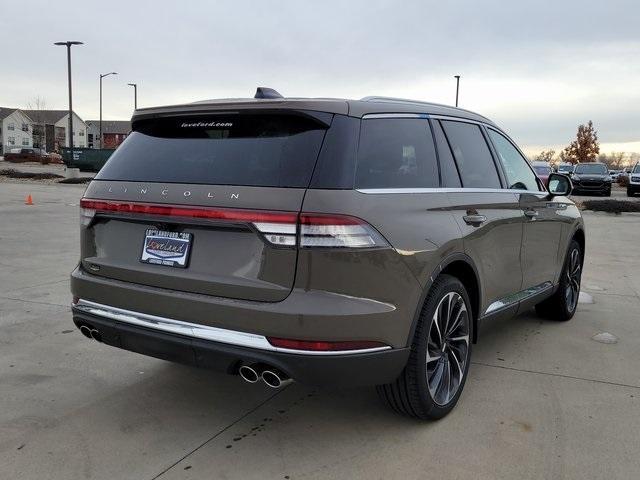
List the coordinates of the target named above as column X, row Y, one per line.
column 593, row 168
column 266, row 150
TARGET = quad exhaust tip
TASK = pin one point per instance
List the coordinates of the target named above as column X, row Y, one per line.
column 272, row 377
column 91, row 333
column 275, row 378
column 249, row 374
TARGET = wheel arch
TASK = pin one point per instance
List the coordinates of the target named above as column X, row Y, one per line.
column 463, row 268
column 579, row 237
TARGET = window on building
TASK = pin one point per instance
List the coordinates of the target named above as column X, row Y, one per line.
column 11, row 140
column 25, row 127
column 81, row 133
column 25, row 142
column 11, row 126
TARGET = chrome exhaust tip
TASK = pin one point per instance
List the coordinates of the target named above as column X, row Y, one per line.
column 275, row 378
column 86, row 331
column 249, row 374
column 95, row 334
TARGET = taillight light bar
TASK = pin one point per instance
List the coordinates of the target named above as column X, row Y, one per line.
column 228, row 214
column 278, row 228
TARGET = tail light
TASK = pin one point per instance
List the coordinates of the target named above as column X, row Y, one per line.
column 86, row 214
column 337, row 231
column 283, row 229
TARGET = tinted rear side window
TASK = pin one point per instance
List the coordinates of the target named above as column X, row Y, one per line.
column 448, row 169
column 266, row 150
column 472, row 155
column 396, row 153
column 336, row 165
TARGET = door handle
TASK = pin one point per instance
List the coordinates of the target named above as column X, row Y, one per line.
column 475, row 219
column 532, row 214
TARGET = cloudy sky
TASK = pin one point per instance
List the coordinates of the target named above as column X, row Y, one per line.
column 537, row 68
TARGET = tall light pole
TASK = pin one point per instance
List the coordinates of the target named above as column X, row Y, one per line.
column 102, row 75
column 457, row 77
column 68, row 44
column 135, row 94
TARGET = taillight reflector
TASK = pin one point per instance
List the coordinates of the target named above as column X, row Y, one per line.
column 324, row 346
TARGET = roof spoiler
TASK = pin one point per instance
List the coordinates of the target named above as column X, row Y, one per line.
column 266, row 92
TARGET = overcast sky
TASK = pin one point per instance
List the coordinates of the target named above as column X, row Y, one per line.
column 536, row 68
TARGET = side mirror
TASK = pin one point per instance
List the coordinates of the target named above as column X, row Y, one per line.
column 559, row 184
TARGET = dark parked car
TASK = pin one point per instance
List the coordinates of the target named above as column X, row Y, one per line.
column 32, row 154
column 331, row 242
column 591, row 178
column 634, row 181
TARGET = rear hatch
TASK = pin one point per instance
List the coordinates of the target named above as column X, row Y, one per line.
column 204, row 204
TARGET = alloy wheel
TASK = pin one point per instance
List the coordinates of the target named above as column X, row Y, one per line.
column 574, row 270
column 447, row 348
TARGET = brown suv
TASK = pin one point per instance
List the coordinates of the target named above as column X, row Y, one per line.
column 326, row 241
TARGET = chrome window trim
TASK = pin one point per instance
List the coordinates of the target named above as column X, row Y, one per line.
column 514, row 298
column 369, row 116
column 204, row 332
column 381, row 191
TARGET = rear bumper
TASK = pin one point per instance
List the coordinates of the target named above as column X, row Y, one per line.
column 306, row 314
column 336, row 369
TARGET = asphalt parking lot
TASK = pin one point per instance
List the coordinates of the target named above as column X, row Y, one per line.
column 543, row 399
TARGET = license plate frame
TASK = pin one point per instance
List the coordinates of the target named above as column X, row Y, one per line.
column 165, row 248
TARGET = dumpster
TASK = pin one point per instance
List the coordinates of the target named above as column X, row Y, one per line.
column 86, row 159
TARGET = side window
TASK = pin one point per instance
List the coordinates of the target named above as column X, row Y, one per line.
column 448, row 169
column 396, row 153
column 519, row 174
column 472, row 155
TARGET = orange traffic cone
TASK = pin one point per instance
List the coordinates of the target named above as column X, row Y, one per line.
column 29, row 200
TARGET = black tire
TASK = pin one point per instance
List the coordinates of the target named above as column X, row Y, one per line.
column 607, row 193
column 629, row 192
column 411, row 394
column 562, row 305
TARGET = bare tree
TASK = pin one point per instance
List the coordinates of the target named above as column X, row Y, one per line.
column 546, row 156
column 613, row 160
column 584, row 148
column 37, row 107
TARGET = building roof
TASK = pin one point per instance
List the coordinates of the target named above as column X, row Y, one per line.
column 353, row 108
column 6, row 111
column 111, row 126
column 48, row 117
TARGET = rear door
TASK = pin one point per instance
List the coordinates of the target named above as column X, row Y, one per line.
column 223, row 189
column 543, row 216
column 489, row 217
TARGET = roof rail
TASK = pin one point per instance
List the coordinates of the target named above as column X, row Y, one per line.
column 266, row 92
column 398, row 100
column 415, row 102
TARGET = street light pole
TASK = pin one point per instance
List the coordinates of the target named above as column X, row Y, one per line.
column 102, row 75
column 457, row 77
column 135, row 94
column 68, row 44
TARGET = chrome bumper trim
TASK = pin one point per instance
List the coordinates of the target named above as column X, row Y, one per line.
column 204, row 332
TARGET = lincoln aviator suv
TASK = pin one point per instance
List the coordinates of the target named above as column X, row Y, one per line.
column 324, row 241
